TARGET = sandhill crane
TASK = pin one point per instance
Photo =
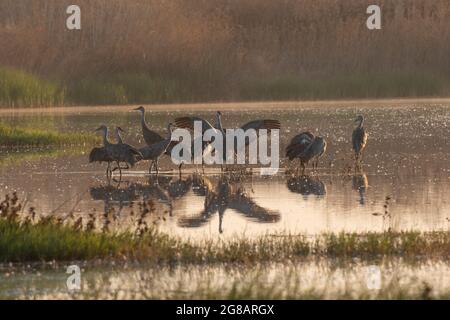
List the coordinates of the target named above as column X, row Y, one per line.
column 156, row 150
column 306, row 147
column 268, row 124
column 99, row 154
column 150, row 136
column 256, row 125
column 188, row 123
column 118, row 133
column 120, row 152
column 359, row 138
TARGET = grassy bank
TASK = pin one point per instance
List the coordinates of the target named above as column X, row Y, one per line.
column 141, row 88
column 29, row 237
column 12, row 136
column 21, row 89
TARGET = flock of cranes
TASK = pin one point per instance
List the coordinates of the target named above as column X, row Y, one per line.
column 305, row 146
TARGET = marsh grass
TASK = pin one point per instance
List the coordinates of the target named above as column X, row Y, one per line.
column 127, row 88
column 22, row 89
column 26, row 236
column 368, row 85
column 13, row 136
column 223, row 51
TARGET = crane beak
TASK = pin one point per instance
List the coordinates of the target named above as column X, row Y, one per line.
column 98, row 129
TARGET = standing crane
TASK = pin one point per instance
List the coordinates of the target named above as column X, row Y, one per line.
column 150, row 136
column 156, row 150
column 99, row 154
column 119, row 152
column 306, row 147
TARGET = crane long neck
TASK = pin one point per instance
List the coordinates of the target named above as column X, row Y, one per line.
column 361, row 123
column 219, row 123
column 143, row 123
column 119, row 136
column 105, row 137
column 169, row 131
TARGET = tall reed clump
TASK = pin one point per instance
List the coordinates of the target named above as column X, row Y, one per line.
column 21, row 89
column 181, row 51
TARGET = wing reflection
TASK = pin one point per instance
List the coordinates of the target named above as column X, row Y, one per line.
column 219, row 194
column 226, row 194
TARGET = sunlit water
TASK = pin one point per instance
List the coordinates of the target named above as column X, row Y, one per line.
column 407, row 159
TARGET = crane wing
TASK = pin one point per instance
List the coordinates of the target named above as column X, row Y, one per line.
column 150, row 136
column 245, row 205
column 262, row 124
column 188, row 123
column 299, row 144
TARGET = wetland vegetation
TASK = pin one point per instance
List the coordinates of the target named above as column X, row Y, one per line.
column 17, row 136
column 26, row 237
column 217, row 51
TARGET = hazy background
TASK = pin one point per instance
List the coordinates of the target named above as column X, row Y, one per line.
column 153, row 51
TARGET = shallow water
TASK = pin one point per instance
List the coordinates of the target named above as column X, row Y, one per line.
column 407, row 160
column 311, row 279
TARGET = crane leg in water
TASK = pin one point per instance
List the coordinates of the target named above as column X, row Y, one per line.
column 108, row 170
column 179, row 169
column 119, row 168
column 151, row 166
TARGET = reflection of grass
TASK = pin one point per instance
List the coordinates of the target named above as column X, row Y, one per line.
column 24, row 237
column 310, row 279
column 18, row 136
column 15, row 157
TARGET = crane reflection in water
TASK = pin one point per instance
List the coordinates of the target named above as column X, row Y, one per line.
column 220, row 195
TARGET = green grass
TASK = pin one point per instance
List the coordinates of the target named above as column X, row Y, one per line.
column 21, row 89
column 130, row 88
column 47, row 241
column 28, row 237
column 11, row 136
column 377, row 85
